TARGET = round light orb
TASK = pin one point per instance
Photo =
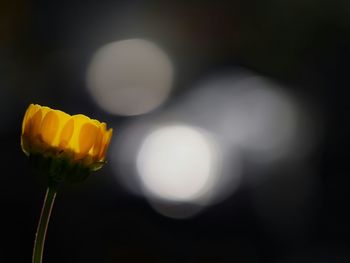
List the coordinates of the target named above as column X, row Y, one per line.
column 253, row 113
column 178, row 163
column 130, row 77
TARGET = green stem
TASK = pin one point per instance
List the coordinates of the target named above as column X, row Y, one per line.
column 42, row 226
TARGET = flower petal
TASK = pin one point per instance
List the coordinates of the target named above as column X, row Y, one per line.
column 66, row 134
column 87, row 137
column 35, row 124
column 106, row 140
column 26, row 125
column 99, row 139
column 26, row 117
column 49, row 127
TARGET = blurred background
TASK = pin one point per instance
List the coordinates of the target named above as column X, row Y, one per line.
column 231, row 132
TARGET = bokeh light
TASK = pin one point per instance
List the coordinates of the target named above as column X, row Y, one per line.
column 177, row 163
column 130, row 77
column 179, row 168
column 252, row 113
column 193, row 154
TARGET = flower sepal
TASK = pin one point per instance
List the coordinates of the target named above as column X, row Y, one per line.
column 59, row 170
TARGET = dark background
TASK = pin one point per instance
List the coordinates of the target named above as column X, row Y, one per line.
column 45, row 47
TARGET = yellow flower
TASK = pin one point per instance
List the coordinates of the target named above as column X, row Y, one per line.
column 57, row 137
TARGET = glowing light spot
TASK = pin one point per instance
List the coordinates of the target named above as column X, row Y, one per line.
column 253, row 113
column 177, row 163
column 130, row 77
